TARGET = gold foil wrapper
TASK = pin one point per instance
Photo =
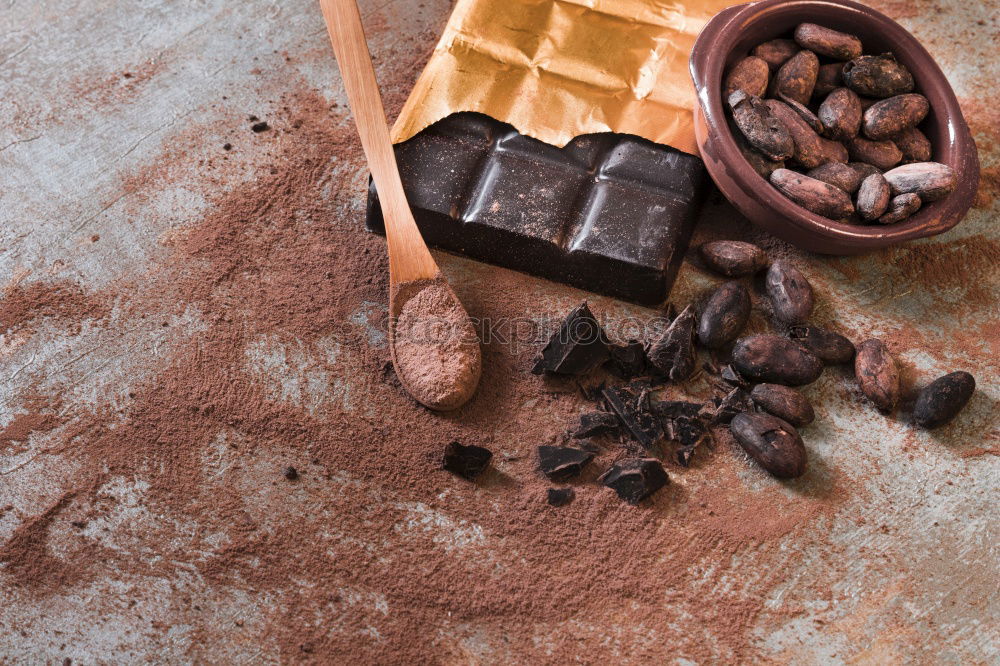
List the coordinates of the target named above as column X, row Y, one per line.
column 556, row 69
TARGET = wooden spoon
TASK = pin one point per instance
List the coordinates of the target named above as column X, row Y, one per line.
column 440, row 371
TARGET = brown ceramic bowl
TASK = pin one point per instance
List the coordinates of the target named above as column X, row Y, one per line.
column 731, row 35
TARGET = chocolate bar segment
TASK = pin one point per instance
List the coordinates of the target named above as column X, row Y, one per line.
column 610, row 213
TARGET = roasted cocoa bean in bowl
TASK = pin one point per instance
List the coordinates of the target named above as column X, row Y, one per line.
column 753, row 29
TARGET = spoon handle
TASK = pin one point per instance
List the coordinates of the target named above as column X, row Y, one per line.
column 409, row 258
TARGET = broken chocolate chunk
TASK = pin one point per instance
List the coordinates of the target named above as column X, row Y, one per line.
column 467, row 462
column 627, row 361
column 577, row 347
column 731, row 376
column 673, row 352
column 736, row 402
column 635, row 479
column 633, row 409
column 560, row 496
column 560, row 463
column 596, row 423
column 672, row 409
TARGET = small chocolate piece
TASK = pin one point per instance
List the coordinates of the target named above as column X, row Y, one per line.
column 736, row 402
column 725, row 315
column 828, row 346
column 628, row 361
column 784, row 402
column 941, row 400
column 891, row 116
column 790, row 293
column 776, row 52
column 873, row 197
column 467, row 462
column 813, row 195
column 576, row 348
column 635, row 479
column 914, row 145
column 877, row 76
column 633, row 410
column 839, row 175
column 291, row 473
column 732, row 377
column 841, row 114
column 881, row 154
column 900, row 208
column 682, row 423
column 828, row 79
column 877, row 374
column 749, row 75
column 930, row 180
column 773, row 443
column 775, row 359
column 761, row 128
column 262, row 126
column 673, row 409
column 673, row 352
column 559, row 496
column 560, row 463
column 797, row 77
column 596, row 423
column 733, row 258
column 827, row 42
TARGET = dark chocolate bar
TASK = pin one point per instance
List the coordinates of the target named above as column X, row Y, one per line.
column 611, row 213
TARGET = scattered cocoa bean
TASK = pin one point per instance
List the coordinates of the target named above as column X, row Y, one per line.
column 804, row 113
column 840, row 113
column 914, row 145
column 873, row 197
column 784, row 402
column 830, row 347
column 790, row 292
column 893, row 115
column 808, row 148
column 776, row 52
column 877, row 76
column 839, row 175
column 733, row 258
column 828, row 79
column 773, row 443
column 900, row 208
column 813, row 195
column 942, row 400
column 725, row 314
column 930, row 180
column 824, row 41
column 749, row 75
column 673, row 352
column 877, row 374
column 881, row 154
column 760, row 127
column 775, row 359
column 797, row 77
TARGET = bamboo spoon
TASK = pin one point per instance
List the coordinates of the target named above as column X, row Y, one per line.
column 439, row 371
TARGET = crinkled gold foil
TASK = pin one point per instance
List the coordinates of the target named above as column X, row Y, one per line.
column 556, row 69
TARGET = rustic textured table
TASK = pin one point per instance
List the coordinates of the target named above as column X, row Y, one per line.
column 190, row 307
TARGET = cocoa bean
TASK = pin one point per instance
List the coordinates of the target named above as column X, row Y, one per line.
column 725, row 314
column 824, row 41
column 828, row 79
column 808, row 148
column 797, row 77
column 804, row 113
column 864, row 169
column 733, row 258
column 914, row 145
column 942, row 400
column 758, row 161
column 776, row 52
column 784, row 402
column 877, row 374
column 839, row 175
column 873, row 197
column 830, row 347
column 900, row 208
column 877, row 76
column 893, row 115
column 930, row 180
column 833, row 151
column 773, row 443
column 813, row 195
column 790, row 292
column 840, row 113
column 881, row 154
column 760, row 127
column 775, row 359
column 749, row 75
column 673, row 352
